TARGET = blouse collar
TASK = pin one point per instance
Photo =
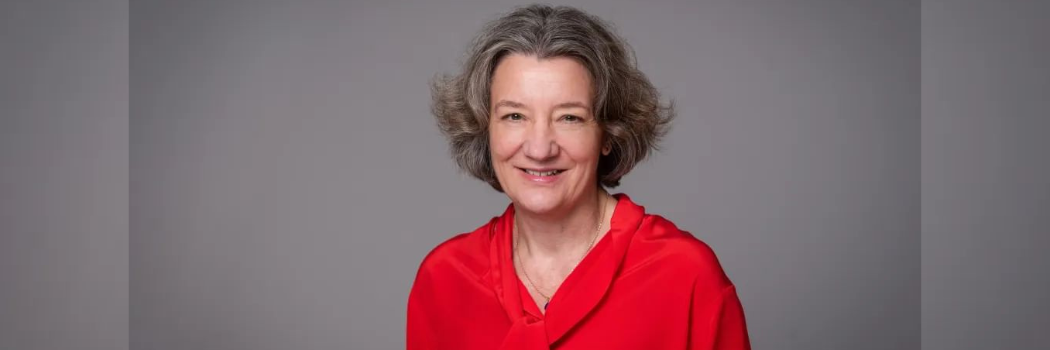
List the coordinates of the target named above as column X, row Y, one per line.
column 581, row 291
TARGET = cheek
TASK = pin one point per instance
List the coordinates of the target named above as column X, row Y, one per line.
column 501, row 145
column 583, row 149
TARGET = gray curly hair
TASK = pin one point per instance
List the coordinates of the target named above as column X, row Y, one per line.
column 627, row 105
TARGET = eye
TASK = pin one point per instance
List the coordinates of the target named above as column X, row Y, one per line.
column 513, row 116
column 571, row 118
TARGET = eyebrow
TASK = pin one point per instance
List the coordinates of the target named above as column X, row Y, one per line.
column 515, row 104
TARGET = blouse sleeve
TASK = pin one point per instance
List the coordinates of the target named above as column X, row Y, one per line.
column 717, row 320
column 419, row 335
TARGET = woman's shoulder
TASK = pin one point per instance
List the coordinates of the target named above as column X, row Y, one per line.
column 468, row 251
column 661, row 243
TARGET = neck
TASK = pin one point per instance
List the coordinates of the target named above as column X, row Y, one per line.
column 562, row 235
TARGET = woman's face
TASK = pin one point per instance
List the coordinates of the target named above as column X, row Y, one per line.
column 544, row 138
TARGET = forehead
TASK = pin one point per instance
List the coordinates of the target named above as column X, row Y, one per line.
column 532, row 80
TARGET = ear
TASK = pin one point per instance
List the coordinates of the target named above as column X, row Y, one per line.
column 606, row 149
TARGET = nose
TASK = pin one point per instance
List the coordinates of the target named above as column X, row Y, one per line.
column 540, row 143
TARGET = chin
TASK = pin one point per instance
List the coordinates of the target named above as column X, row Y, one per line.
column 538, row 201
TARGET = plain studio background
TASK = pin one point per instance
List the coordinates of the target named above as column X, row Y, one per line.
column 287, row 177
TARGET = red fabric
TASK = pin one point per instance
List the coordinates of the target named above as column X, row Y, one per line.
column 645, row 285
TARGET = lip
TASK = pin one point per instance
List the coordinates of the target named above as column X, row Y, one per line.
column 541, row 179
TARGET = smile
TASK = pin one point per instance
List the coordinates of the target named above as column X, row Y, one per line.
column 542, row 173
column 541, row 176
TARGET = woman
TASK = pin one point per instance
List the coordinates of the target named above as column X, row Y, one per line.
column 550, row 110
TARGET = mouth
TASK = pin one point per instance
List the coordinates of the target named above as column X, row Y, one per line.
column 542, row 172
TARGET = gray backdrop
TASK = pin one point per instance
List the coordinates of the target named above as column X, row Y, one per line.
column 287, row 178
column 276, row 148
column 985, row 175
column 63, row 175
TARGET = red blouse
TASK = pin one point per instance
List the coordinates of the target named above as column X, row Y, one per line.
column 645, row 285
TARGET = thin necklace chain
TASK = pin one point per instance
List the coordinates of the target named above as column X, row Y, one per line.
column 597, row 229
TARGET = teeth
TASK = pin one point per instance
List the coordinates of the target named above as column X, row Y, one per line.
column 545, row 173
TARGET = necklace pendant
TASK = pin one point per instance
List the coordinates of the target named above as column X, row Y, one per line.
column 545, row 304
